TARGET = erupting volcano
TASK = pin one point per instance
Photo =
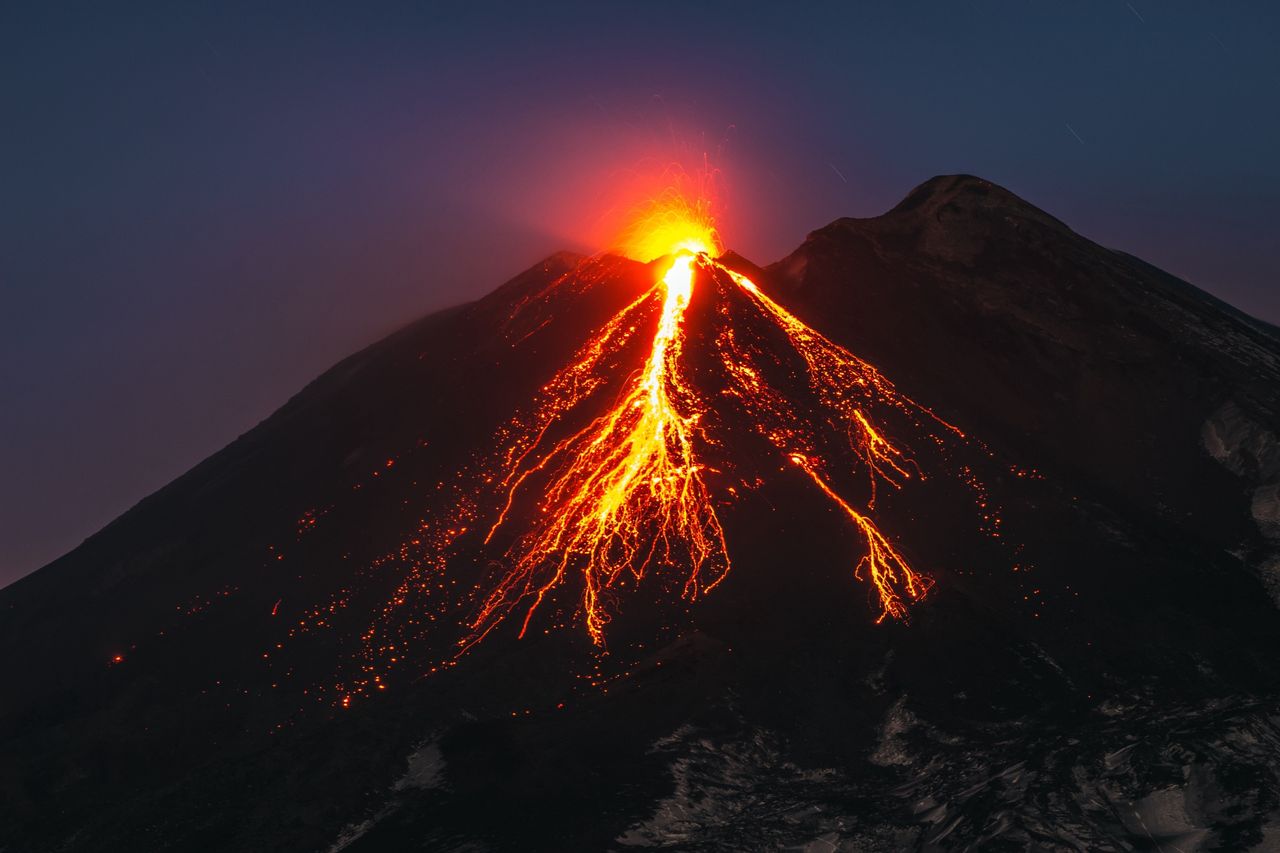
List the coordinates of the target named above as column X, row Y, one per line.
column 696, row 392
column 951, row 529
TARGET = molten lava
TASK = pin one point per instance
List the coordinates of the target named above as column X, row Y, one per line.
column 629, row 488
column 630, row 455
column 627, row 492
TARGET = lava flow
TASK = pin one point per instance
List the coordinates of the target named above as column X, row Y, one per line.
column 625, row 468
column 629, row 492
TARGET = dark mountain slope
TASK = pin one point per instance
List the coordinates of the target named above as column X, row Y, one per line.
column 1084, row 359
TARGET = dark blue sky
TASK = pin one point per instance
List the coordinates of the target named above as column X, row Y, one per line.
column 203, row 208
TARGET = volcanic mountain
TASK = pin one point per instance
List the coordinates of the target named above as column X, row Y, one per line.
column 950, row 530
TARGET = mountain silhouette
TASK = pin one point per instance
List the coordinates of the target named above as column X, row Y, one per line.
column 327, row 635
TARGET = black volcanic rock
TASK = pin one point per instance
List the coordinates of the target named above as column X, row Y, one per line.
column 1114, row 688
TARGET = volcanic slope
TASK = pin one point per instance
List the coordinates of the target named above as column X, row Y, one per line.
column 376, row 622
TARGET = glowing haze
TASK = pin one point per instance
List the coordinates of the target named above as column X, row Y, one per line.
column 680, row 218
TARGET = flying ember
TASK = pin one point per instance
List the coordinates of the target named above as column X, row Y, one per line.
column 670, row 223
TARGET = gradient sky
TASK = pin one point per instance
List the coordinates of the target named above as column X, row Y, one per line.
column 201, row 209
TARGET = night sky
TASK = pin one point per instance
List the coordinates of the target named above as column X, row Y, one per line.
column 201, row 210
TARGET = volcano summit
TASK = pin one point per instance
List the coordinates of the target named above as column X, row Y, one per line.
column 951, row 530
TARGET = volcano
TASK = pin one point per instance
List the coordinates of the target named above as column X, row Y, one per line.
column 950, row 530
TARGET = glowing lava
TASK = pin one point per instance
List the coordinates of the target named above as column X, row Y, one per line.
column 888, row 568
column 632, row 452
column 630, row 490
column 627, row 491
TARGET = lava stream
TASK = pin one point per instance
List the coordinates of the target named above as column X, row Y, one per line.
column 628, row 492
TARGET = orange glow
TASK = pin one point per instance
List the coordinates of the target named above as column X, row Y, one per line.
column 669, row 223
column 677, row 213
